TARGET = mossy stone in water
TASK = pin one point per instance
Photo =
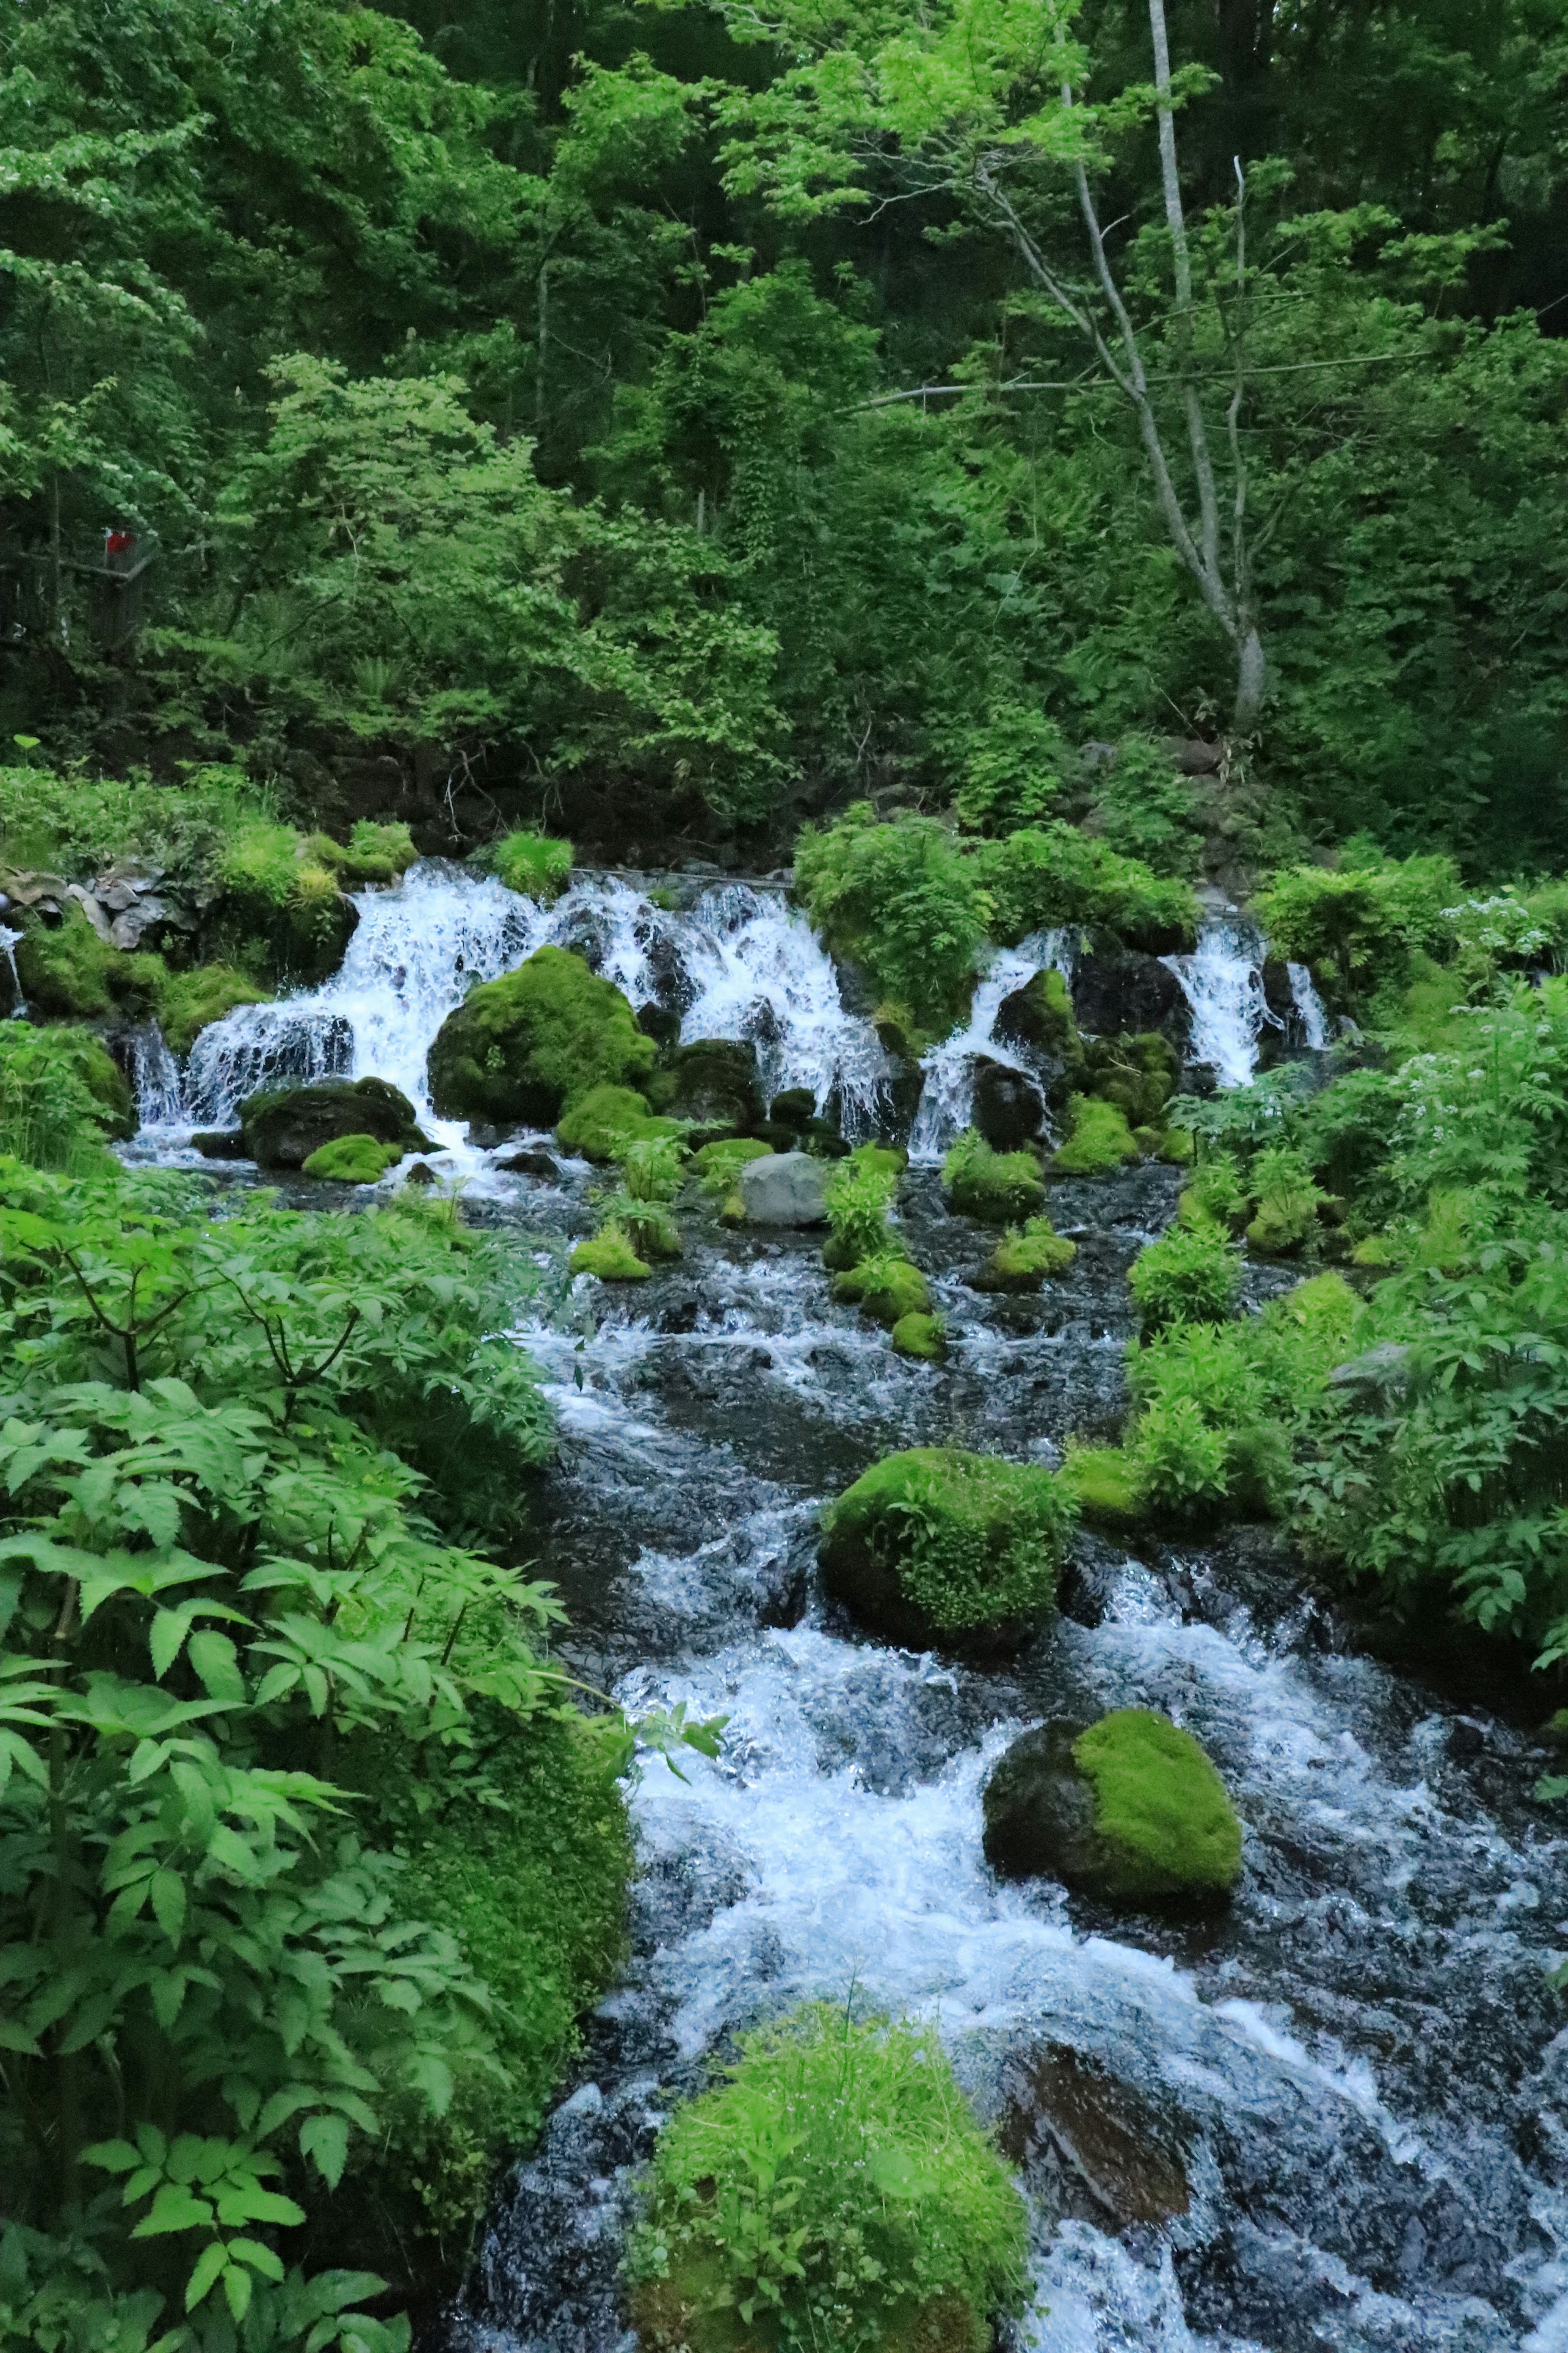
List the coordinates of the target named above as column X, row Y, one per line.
column 601, row 1121
column 283, row 1126
column 1104, row 1484
column 191, row 1001
column 1000, row 1188
column 1025, row 1256
column 1130, row 1809
column 354, row 1160
column 712, row 1081
column 888, row 1287
column 923, row 1337
column 611, row 1256
column 523, row 1047
column 937, row 1542
column 1137, row 1073
column 1099, row 1140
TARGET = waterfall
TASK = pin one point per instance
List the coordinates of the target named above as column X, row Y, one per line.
column 1308, row 1008
column 947, row 1097
column 739, row 965
column 1222, row 981
column 154, row 1079
column 10, row 941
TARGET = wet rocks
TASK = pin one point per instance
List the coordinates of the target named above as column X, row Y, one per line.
column 1009, row 1108
column 712, row 1081
column 520, row 1048
column 283, row 1127
column 1117, row 989
column 1090, row 2144
column 537, row 1165
column 1129, row 1810
column 786, row 1189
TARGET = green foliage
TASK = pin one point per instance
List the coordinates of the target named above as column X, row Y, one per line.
column 189, row 1001
column 1027, row 1255
column 718, row 1165
column 73, row 975
column 835, row 2190
column 374, row 853
column 277, row 898
column 605, row 1123
column 1099, row 1139
column 60, row 1096
column 1136, row 1071
column 887, row 1286
column 1054, row 874
column 1010, row 769
column 1288, row 1201
column 901, row 899
column 532, row 863
column 1001, row 1188
column 79, row 824
column 971, row 1538
column 1160, row 1811
column 1191, row 1276
column 538, row 1039
column 922, row 1337
column 1216, row 1194
column 610, row 1256
column 1145, row 808
column 1102, row 1483
column 859, row 1196
column 1358, row 926
column 352, row 1160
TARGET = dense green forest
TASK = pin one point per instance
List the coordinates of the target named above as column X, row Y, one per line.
column 677, row 419
column 1011, row 464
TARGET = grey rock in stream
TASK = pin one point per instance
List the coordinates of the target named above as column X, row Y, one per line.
column 789, row 1188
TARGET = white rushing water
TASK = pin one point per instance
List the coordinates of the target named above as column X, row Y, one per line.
column 1222, row 981
column 10, row 941
column 947, row 1097
column 741, row 965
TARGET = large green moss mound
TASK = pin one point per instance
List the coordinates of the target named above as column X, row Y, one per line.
column 1130, row 1810
column 189, row 1002
column 936, row 1542
column 352, row 1160
column 1000, row 1188
column 522, row 1048
column 74, row 975
column 602, row 1124
column 836, row 2193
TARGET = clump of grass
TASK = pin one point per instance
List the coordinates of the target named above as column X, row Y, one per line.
column 610, row 1256
column 536, row 865
column 1001, row 1188
column 1099, row 1139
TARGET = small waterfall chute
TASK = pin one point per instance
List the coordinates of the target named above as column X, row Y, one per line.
column 10, row 941
column 1309, row 1009
column 155, row 1080
column 947, row 1097
column 1222, row 981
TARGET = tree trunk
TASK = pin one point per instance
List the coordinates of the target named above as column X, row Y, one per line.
column 1249, row 681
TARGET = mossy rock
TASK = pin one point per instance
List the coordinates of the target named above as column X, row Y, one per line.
column 650, row 1229
column 888, row 1288
column 372, row 853
column 283, row 1126
column 600, row 1124
column 1099, row 1140
column 717, row 1167
column 1040, row 1017
column 712, row 1083
column 999, row 1189
column 1178, row 1147
column 191, row 1002
column 536, row 865
column 352, row 1160
column 796, row 1109
column 1103, row 1482
column 1137, row 1073
column 1025, row 1258
column 278, row 903
column 611, row 1256
column 923, row 1337
column 1130, row 1810
column 523, row 1047
column 72, row 974
column 937, row 1545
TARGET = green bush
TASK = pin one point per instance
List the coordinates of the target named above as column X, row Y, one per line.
column 537, row 865
column 1216, row 1194
column 1191, row 1276
column 1358, row 926
column 1288, row 1201
column 1161, row 1813
column 278, row 901
column 901, row 899
column 1181, row 1462
column 60, row 1097
column 1000, row 1188
column 537, row 1040
column 859, row 1196
column 887, row 1286
column 352, row 1160
column 77, row 824
column 188, row 1002
column 1147, row 809
column 1099, row 1139
column 969, row 1539
column 374, row 853
column 1054, row 874
column 924, row 1337
column 610, row 1256
column 833, row 2190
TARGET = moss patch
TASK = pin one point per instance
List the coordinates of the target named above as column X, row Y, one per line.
column 1000, row 1188
column 937, row 1539
column 352, row 1160
column 611, row 1256
column 525, row 1046
column 602, row 1122
column 717, row 1167
column 279, row 906
column 1099, row 1139
column 537, row 865
column 189, row 1002
column 1160, row 1808
column 1103, row 1482
column 372, row 853
column 838, row 2180
column 74, row 975
column 1025, row 1256
column 923, row 1337
column 887, row 1286
column 1137, row 1073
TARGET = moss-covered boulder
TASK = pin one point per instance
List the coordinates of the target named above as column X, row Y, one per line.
column 1000, row 1188
column 352, row 1160
column 1009, row 1108
column 72, row 973
column 610, row 1256
column 1103, row 1482
column 190, row 1002
column 1039, row 1018
column 1099, row 1140
column 1129, row 1810
column 1025, row 1258
column 937, row 1545
column 921, row 1337
column 372, row 852
column 523, row 1047
column 283, row 1126
column 888, row 1286
column 1137, row 1073
column 278, row 908
column 600, row 1124
column 712, row 1083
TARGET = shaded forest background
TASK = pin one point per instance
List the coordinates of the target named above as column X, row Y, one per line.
column 577, row 411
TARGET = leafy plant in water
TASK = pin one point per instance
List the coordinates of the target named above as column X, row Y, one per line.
column 1191, row 1276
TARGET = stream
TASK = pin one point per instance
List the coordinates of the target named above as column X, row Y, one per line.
column 1330, row 2118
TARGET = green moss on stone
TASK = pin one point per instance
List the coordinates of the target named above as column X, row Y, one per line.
column 1137, row 1073
column 611, row 1256
column 352, row 1160
column 538, row 1039
column 1160, row 1811
column 602, row 1122
column 1025, row 1256
column 537, row 865
column 717, row 1167
column 924, row 1337
column 887, row 1286
column 1099, row 1139
column 1000, row 1188
column 374, row 853
column 76, row 975
column 1103, row 1482
column 189, row 1002
column 938, row 1539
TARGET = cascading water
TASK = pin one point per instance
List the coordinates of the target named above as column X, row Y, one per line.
column 947, row 1097
column 1222, row 981
column 1309, row 1009
column 740, row 964
column 10, row 941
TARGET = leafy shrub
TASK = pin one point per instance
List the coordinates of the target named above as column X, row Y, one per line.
column 1000, row 1188
column 835, row 2190
column 79, row 824
column 188, row 1002
column 60, row 1096
column 610, row 1256
column 535, row 1041
column 887, row 1286
column 1099, row 1139
column 537, row 865
column 651, row 1168
column 901, row 899
column 1191, row 1276
column 1288, row 1201
column 970, row 1537
column 1216, row 1194
column 1180, row 1460
column 859, row 1196
column 1358, row 928
column 352, row 1160
column 279, row 900
column 1010, row 770
column 1147, row 809
column 1054, row 874
column 374, row 853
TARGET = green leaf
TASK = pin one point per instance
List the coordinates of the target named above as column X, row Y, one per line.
column 247, row 2202
column 237, row 2287
column 325, row 2140
column 113, row 2155
column 204, row 2278
column 173, row 2209
column 169, row 1904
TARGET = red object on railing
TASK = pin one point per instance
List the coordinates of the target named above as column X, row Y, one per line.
column 118, row 543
